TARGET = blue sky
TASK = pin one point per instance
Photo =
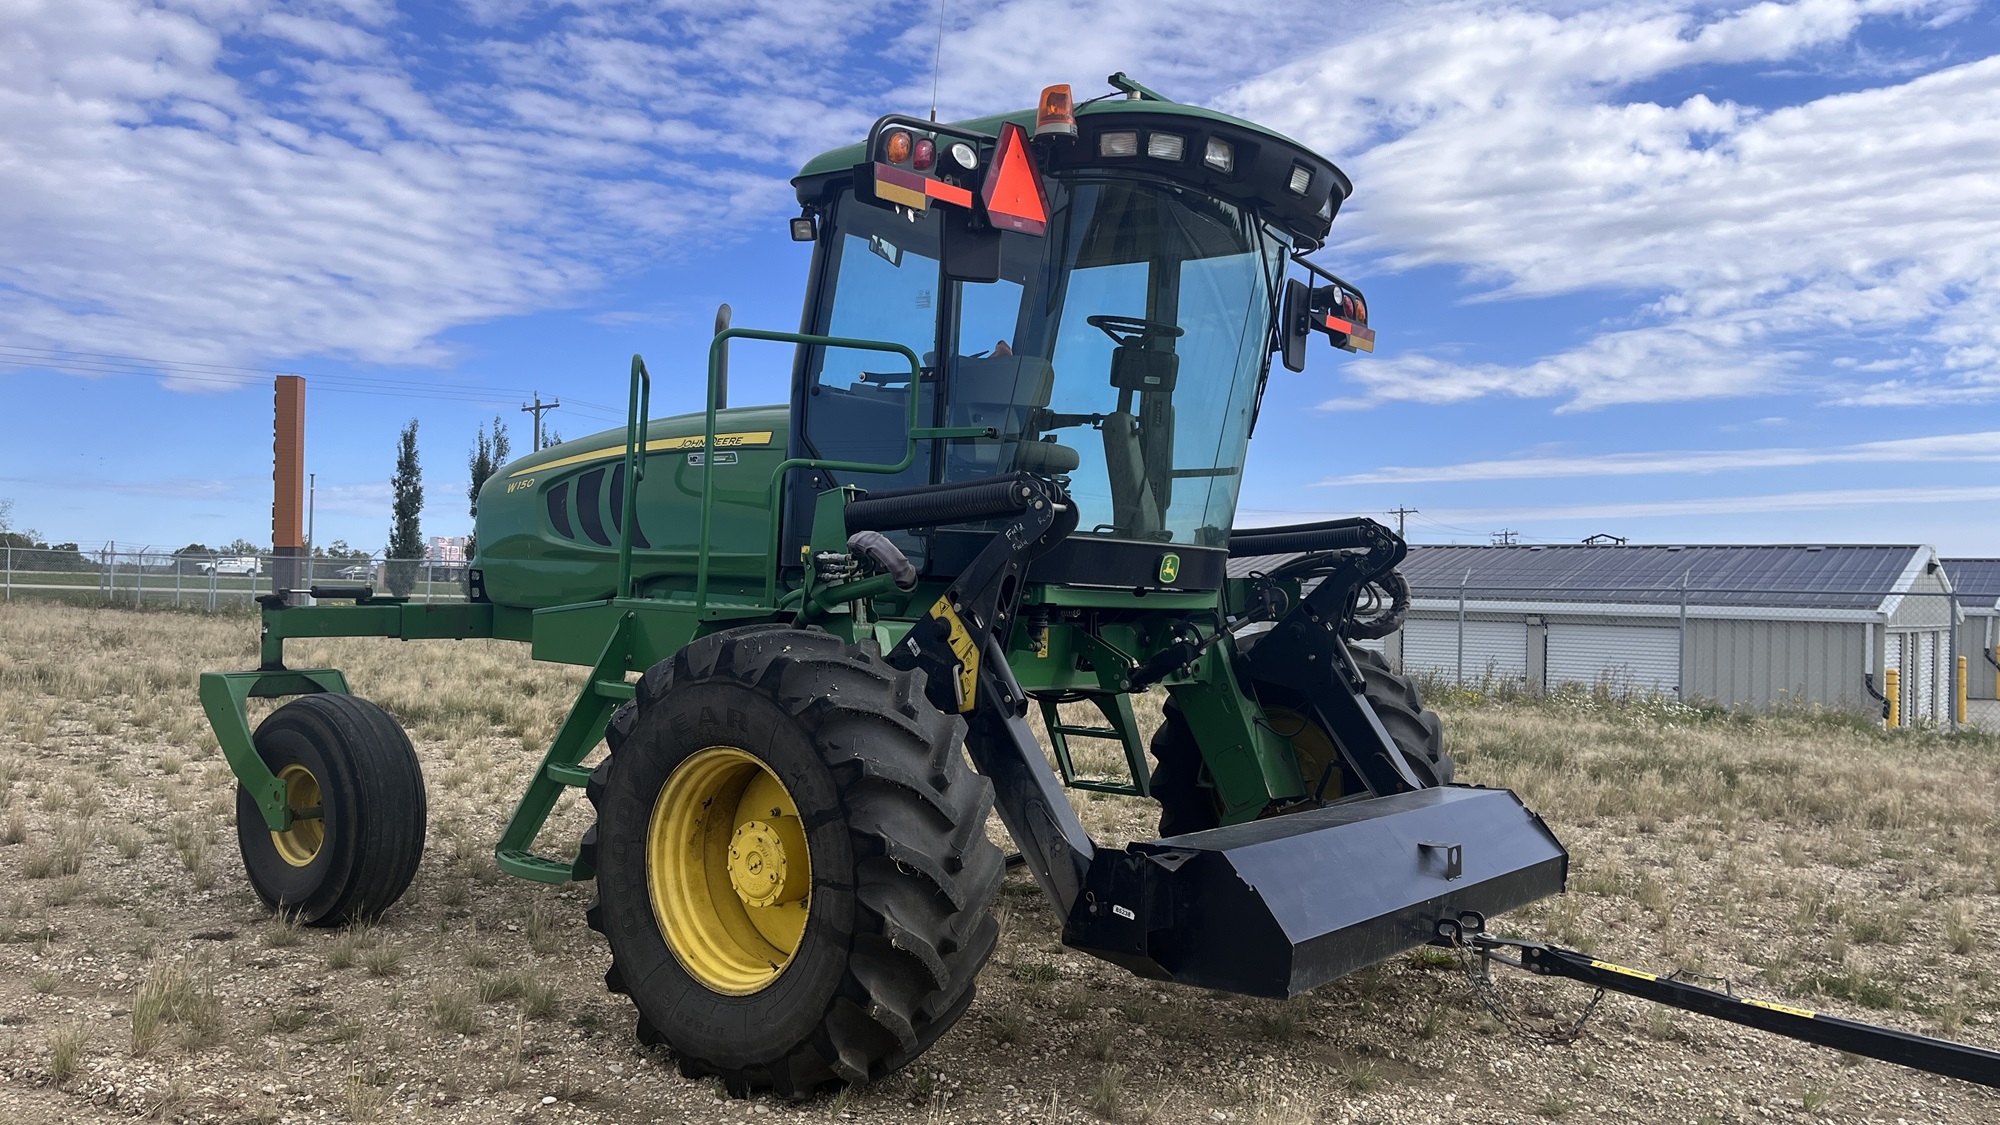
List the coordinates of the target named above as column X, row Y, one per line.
column 1673, row 271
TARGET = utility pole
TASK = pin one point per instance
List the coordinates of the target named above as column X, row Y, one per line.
column 1399, row 513
column 538, row 410
column 1506, row 537
column 312, row 502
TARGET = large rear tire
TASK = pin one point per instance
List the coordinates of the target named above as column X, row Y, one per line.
column 1188, row 802
column 349, row 759
column 791, row 858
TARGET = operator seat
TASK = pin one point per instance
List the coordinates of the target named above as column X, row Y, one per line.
column 1002, row 390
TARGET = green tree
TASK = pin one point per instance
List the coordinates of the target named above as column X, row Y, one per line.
column 23, row 539
column 190, row 557
column 406, row 535
column 487, row 457
column 39, row 555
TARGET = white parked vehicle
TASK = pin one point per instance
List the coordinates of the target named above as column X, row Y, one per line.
column 249, row 565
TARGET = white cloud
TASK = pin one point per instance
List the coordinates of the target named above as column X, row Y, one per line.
column 1667, row 363
column 1820, row 501
column 244, row 181
column 249, row 181
column 1501, row 142
column 1974, row 447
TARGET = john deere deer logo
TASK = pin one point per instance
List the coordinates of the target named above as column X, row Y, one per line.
column 1170, row 567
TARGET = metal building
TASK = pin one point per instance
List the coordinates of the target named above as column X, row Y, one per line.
column 1977, row 582
column 1745, row 626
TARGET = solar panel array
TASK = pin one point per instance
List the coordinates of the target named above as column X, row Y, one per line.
column 1976, row 580
column 1829, row 576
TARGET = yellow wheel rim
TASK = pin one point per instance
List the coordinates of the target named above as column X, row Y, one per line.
column 1311, row 746
column 298, row 844
column 728, row 870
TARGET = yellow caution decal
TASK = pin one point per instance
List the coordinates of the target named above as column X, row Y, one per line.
column 1622, row 970
column 1790, row 1011
column 967, row 653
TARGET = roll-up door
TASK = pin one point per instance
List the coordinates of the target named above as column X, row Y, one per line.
column 1643, row 658
column 1498, row 649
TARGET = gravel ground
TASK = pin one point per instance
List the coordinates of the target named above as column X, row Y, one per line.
column 1806, row 857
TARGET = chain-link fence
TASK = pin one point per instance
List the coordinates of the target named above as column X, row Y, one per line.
column 1918, row 657
column 213, row 582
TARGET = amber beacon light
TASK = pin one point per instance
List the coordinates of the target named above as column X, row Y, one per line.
column 1056, row 117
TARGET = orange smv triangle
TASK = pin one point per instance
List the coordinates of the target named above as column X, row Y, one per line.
column 1013, row 189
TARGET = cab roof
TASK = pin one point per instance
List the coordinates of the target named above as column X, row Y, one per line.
column 844, row 158
column 1265, row 161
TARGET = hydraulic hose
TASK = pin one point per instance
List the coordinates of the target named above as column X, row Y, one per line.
column 1333, row 535
column 943, row 504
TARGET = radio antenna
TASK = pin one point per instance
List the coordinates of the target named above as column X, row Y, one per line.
column 937, row 59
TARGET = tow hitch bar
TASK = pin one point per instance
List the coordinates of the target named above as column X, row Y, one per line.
column 1467, row 934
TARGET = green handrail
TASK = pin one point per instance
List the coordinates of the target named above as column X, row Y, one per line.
column 639, row 407
column 717, row 352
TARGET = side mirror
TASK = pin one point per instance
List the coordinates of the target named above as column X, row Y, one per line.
column 1294, row 329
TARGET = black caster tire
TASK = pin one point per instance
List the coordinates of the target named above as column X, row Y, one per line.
column 349, row 758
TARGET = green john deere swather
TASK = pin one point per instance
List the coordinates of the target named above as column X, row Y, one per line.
column 1034, row 349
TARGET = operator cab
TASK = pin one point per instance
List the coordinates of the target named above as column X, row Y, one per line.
column 1108, row 323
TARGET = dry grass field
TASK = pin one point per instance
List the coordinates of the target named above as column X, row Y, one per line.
column 1807, row 858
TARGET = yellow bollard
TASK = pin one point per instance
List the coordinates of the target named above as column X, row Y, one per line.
column 1961, row 691
column 1891, row 680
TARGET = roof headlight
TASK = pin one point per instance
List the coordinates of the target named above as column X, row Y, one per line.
column 1302, row 178
column 1122, row 143
column 1219, row 155
column 1166, row 146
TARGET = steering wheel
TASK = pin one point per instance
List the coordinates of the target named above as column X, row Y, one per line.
column 1123, row 329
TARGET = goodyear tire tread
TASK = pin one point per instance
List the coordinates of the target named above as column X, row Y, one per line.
column 910, row 912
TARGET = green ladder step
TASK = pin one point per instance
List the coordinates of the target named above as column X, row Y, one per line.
column 1105, row 733
column 574, row 776
column 527, row 865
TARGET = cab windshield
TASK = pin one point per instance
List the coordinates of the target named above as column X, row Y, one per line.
column 1123, row 351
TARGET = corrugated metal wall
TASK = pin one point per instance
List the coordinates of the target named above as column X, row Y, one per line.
column 1642, row 658
column 1498, row 648
column 1975, row 637
column 1759, row 663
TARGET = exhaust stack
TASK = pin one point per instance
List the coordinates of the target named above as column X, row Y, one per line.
column 288, row 484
